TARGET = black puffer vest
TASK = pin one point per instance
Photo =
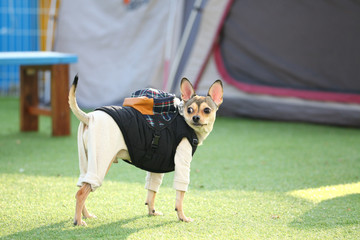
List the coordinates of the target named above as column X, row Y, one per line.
column 151, row 148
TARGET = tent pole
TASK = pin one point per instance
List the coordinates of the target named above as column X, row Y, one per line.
column 183, row 42
column 168, row 43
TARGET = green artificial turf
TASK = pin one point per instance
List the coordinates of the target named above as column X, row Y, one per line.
column 250, row 180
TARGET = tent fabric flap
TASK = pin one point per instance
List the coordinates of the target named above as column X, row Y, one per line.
column 289, row 60
column 305, row 49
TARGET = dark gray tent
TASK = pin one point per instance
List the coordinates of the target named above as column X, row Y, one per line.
column 285, row 60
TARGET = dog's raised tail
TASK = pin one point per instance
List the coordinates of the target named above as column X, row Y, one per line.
column 81, row 115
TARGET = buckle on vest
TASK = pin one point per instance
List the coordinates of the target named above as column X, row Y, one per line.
column 195, row 142
column 155, row 141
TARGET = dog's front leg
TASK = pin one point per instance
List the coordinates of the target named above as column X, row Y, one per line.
column 150, row 202
column 179, row 206
column 153, row 182
column 183, row 159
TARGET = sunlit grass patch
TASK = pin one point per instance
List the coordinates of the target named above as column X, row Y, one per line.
column 317, row 195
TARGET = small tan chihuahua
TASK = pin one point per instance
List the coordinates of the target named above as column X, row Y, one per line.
column 103, row 138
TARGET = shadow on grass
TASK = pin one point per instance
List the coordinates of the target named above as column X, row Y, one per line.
column 65, row 230
column 332, row 213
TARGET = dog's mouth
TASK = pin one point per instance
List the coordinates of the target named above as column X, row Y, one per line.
column 197, row 124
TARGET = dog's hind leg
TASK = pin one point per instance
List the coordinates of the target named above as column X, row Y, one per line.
column 81, row 196
column 86, row 214
column 83, row 165
column 84, row 211
column 95, row 157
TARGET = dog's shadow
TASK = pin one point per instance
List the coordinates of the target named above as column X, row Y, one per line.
column 62, row 230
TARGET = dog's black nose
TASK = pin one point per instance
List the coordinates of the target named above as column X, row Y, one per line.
column 196, row 118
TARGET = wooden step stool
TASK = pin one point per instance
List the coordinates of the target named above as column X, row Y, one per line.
column 30, row 63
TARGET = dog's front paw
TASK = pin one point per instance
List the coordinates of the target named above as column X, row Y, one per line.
column 186, row 219
column 79, row 223
column 182, row 217
column 151, row 209
column 155, row 213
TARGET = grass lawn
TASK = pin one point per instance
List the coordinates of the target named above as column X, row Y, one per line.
column 250, row 180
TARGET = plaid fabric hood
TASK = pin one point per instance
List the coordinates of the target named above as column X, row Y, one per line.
column 164, row 107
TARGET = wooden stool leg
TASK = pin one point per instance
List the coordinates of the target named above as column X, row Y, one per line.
column 28, row 98
column 59, row 100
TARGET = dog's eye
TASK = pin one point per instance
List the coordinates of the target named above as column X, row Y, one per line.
column 190, row 110
column 207, row 110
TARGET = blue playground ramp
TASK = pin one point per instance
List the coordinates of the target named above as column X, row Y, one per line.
column 19, row 31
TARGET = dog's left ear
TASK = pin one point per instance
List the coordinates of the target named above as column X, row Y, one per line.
column 186, row 89
column 216, row 92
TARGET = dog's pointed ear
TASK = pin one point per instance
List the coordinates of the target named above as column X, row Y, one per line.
column 186, row 89
column 216, row 92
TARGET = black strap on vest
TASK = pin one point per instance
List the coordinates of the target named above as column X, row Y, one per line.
column 195, row 141
column 155, row 141
column 154, row 145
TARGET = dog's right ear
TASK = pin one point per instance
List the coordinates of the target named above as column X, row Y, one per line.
column 186, row 89
column 216, row 92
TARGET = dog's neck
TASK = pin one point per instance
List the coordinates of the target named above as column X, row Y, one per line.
column 204, row 133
